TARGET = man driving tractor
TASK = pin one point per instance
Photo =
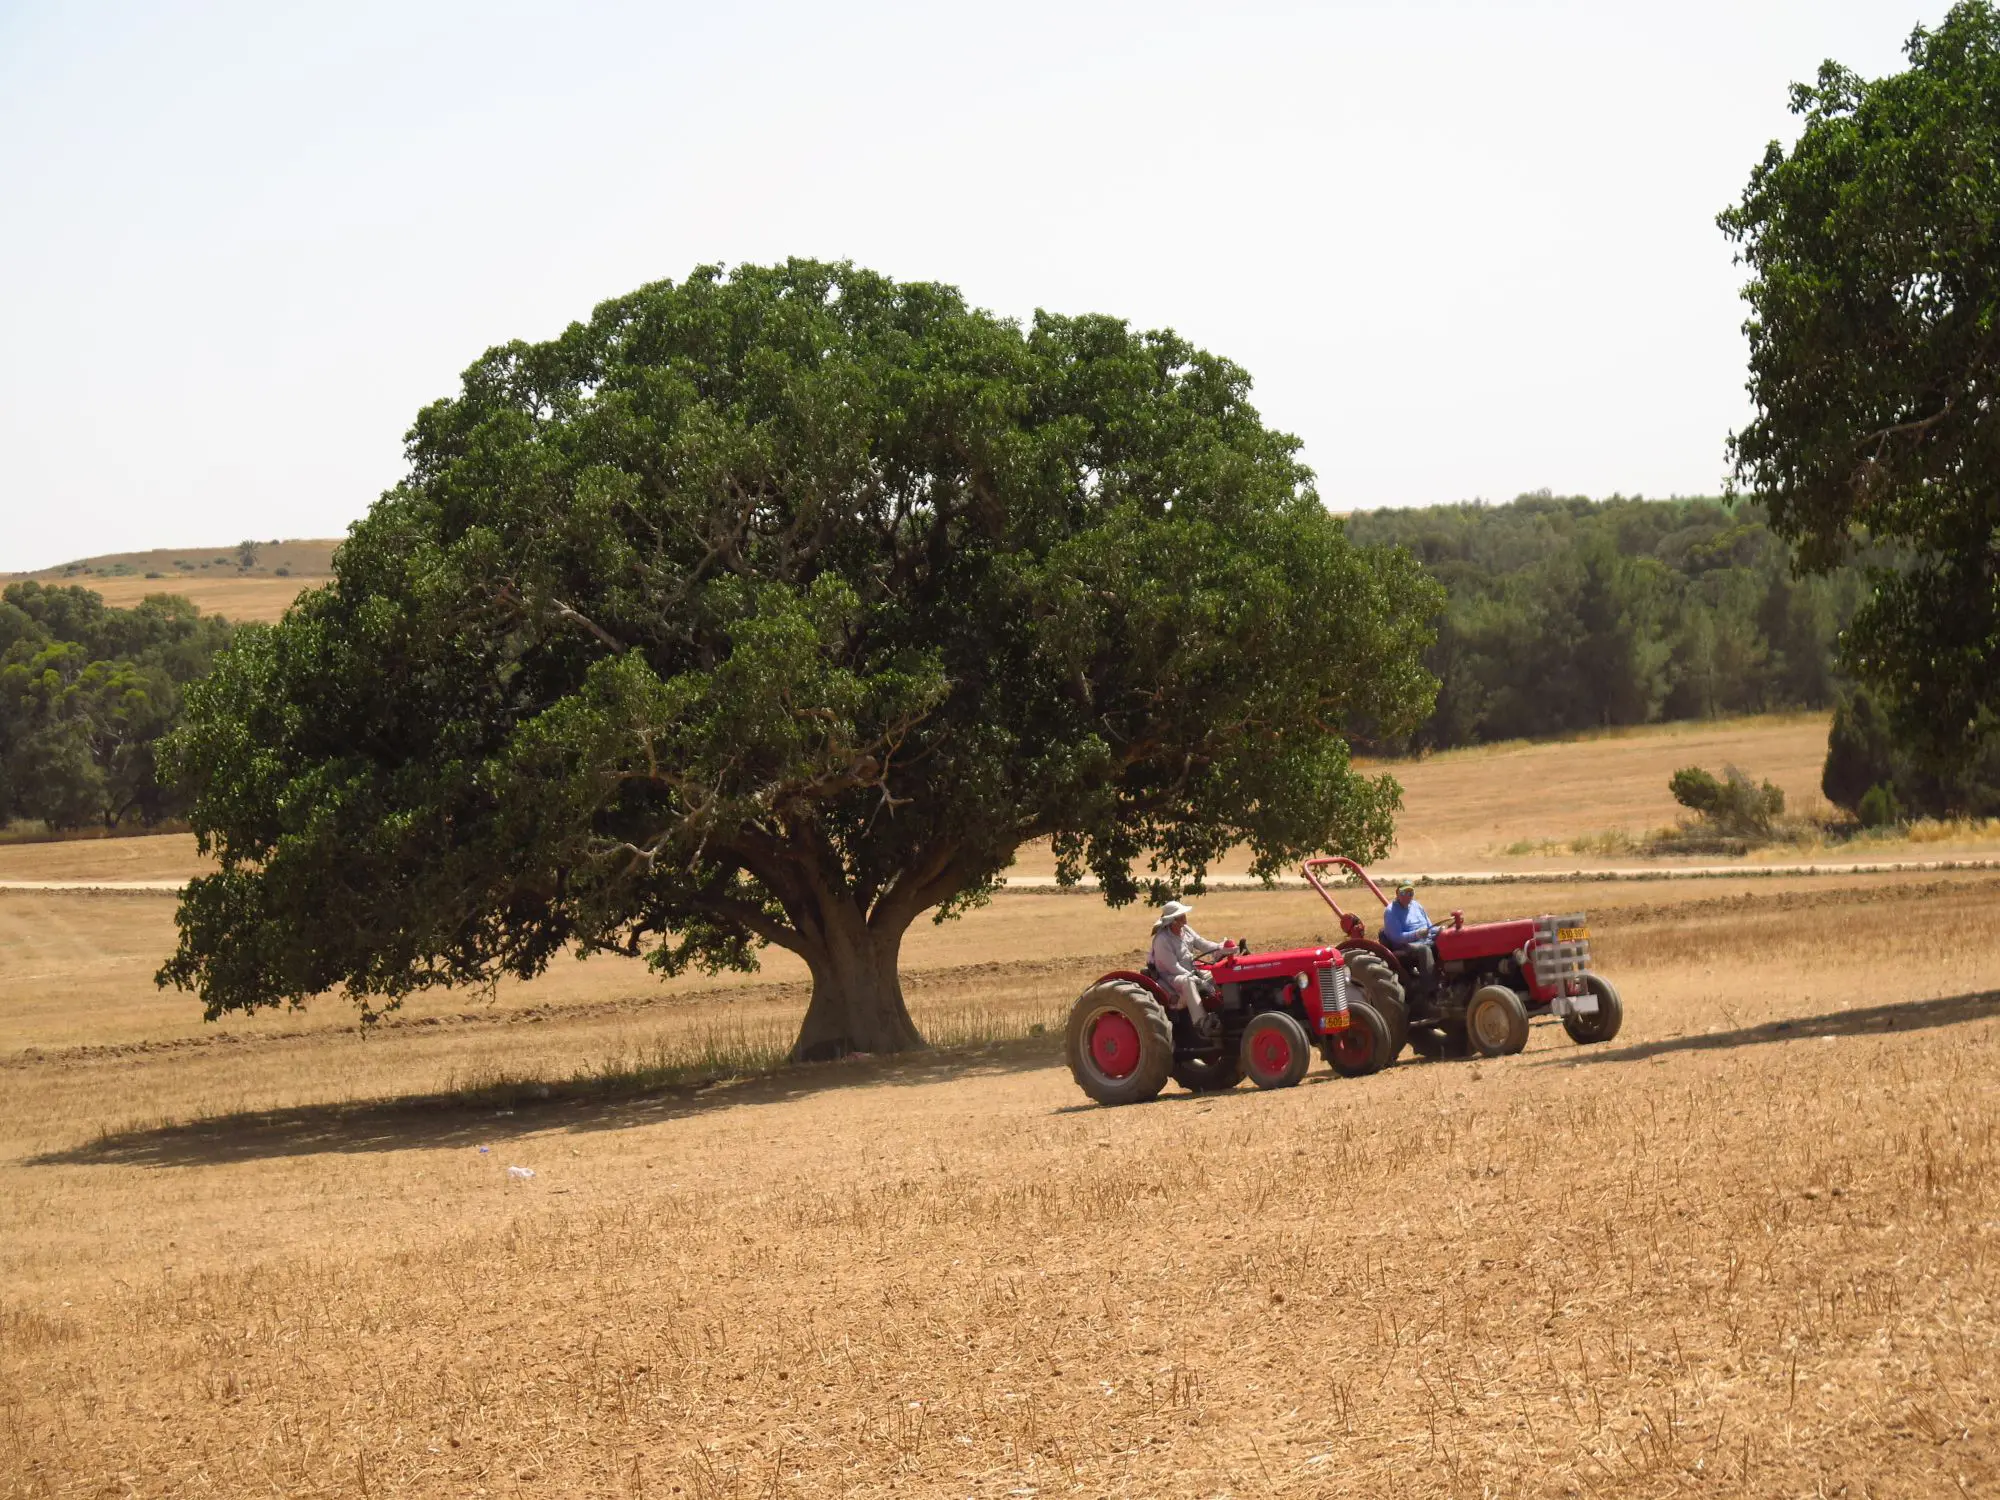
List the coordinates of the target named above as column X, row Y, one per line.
column 1408, row 929
column 1175, row 945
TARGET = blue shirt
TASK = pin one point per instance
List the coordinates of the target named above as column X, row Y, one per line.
column 1402, row 925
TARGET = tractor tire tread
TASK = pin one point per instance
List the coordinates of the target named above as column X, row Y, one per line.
column 1381, row 988
column 1204, row 1075
column 1586, row 1031
column 1156, row 1043
column 1370, row 1022
column 1295, row 1036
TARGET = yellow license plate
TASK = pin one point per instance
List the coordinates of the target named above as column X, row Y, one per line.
column 1572, row 934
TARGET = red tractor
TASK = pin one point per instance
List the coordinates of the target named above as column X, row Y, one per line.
column 1129, row 1033
column 1482, row 985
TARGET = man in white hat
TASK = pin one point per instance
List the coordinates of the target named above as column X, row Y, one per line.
column 1175, row 945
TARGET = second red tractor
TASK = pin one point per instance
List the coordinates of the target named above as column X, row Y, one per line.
column 1482, row 982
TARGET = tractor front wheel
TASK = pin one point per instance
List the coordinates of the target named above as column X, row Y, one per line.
column 1275, row 1052
column 1363, row 1046
column 1120, row 1043
column 1496, row 1022
column 1603, row 1026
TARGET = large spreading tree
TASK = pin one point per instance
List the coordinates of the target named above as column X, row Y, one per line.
column 782, row 606
column 1874, row 248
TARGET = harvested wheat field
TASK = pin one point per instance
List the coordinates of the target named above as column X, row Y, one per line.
column 214, row 578
column 239, row 599
column 1517, row 807
column 1746, row 1249
column 1475, row 806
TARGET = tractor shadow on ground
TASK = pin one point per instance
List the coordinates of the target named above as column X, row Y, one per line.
column 447, row 1121
column 1870, row 1020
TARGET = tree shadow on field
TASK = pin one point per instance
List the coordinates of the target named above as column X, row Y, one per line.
column 1910, row 1015
column 444, row 1121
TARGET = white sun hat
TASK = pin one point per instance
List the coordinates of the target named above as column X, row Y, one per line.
column 1175, row 909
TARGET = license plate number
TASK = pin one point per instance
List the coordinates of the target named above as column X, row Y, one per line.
column 1572, row 934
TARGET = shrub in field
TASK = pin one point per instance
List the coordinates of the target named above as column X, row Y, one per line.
column 1879, row 808
column 782, row 606
column 1732, row 805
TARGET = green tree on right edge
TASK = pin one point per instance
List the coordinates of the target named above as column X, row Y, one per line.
column 1874, row 251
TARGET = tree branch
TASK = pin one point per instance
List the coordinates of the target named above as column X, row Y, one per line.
column 756, row 919
column 563, row 611
column 933, row 878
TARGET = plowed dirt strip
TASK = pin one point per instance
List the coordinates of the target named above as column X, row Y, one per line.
column 1746, row 1250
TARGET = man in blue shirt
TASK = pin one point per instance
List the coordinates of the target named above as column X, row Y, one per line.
column 1407, row 928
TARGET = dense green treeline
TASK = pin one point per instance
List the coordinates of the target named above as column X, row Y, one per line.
column 85, row 692
column 1567, row 613
column 1563, row 613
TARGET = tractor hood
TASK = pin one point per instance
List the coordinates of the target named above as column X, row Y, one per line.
column 1279, row 963
column 1485, row 939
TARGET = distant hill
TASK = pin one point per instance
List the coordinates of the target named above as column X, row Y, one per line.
column 217, row 579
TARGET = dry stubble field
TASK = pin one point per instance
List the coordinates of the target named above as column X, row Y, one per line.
column 1748, row 1249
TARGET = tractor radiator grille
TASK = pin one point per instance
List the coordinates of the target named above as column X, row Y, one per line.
column 1332, row 989
column 1561, row 952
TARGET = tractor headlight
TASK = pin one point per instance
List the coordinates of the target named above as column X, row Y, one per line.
column 1302, row 979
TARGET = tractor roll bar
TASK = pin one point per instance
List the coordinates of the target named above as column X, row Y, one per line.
column 1352, row 924
column 1349, row 922
column 1320, row 862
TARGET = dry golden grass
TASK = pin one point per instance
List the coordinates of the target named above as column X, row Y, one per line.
column 1748, row 1249
column 256, row 599
column 140, row 856
column 209, row 576
column 1466, row 806
column 1465, row 809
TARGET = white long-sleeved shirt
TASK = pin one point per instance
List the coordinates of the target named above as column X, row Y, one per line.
column 1173, row 951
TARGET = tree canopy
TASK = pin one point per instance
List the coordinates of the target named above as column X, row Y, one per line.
column 1874, row 251
column 85, row 693
column 781, row 606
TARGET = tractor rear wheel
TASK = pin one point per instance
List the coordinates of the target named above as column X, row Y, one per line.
column 1363, row 1045
column 1209, row 1075
column 1496, row 1022
column 1120, row 1043
column 1381, row 988
column 1275, row 1052
column 1603, row 1026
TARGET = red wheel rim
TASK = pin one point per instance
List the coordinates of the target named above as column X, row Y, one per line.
column 1114, row 1044
column 1352, row 1046
column 1270, row 1052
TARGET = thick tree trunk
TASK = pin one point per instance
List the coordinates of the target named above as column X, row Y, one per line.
column 857, row 995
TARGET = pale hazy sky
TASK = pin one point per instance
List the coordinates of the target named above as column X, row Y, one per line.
column 1465, row 249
